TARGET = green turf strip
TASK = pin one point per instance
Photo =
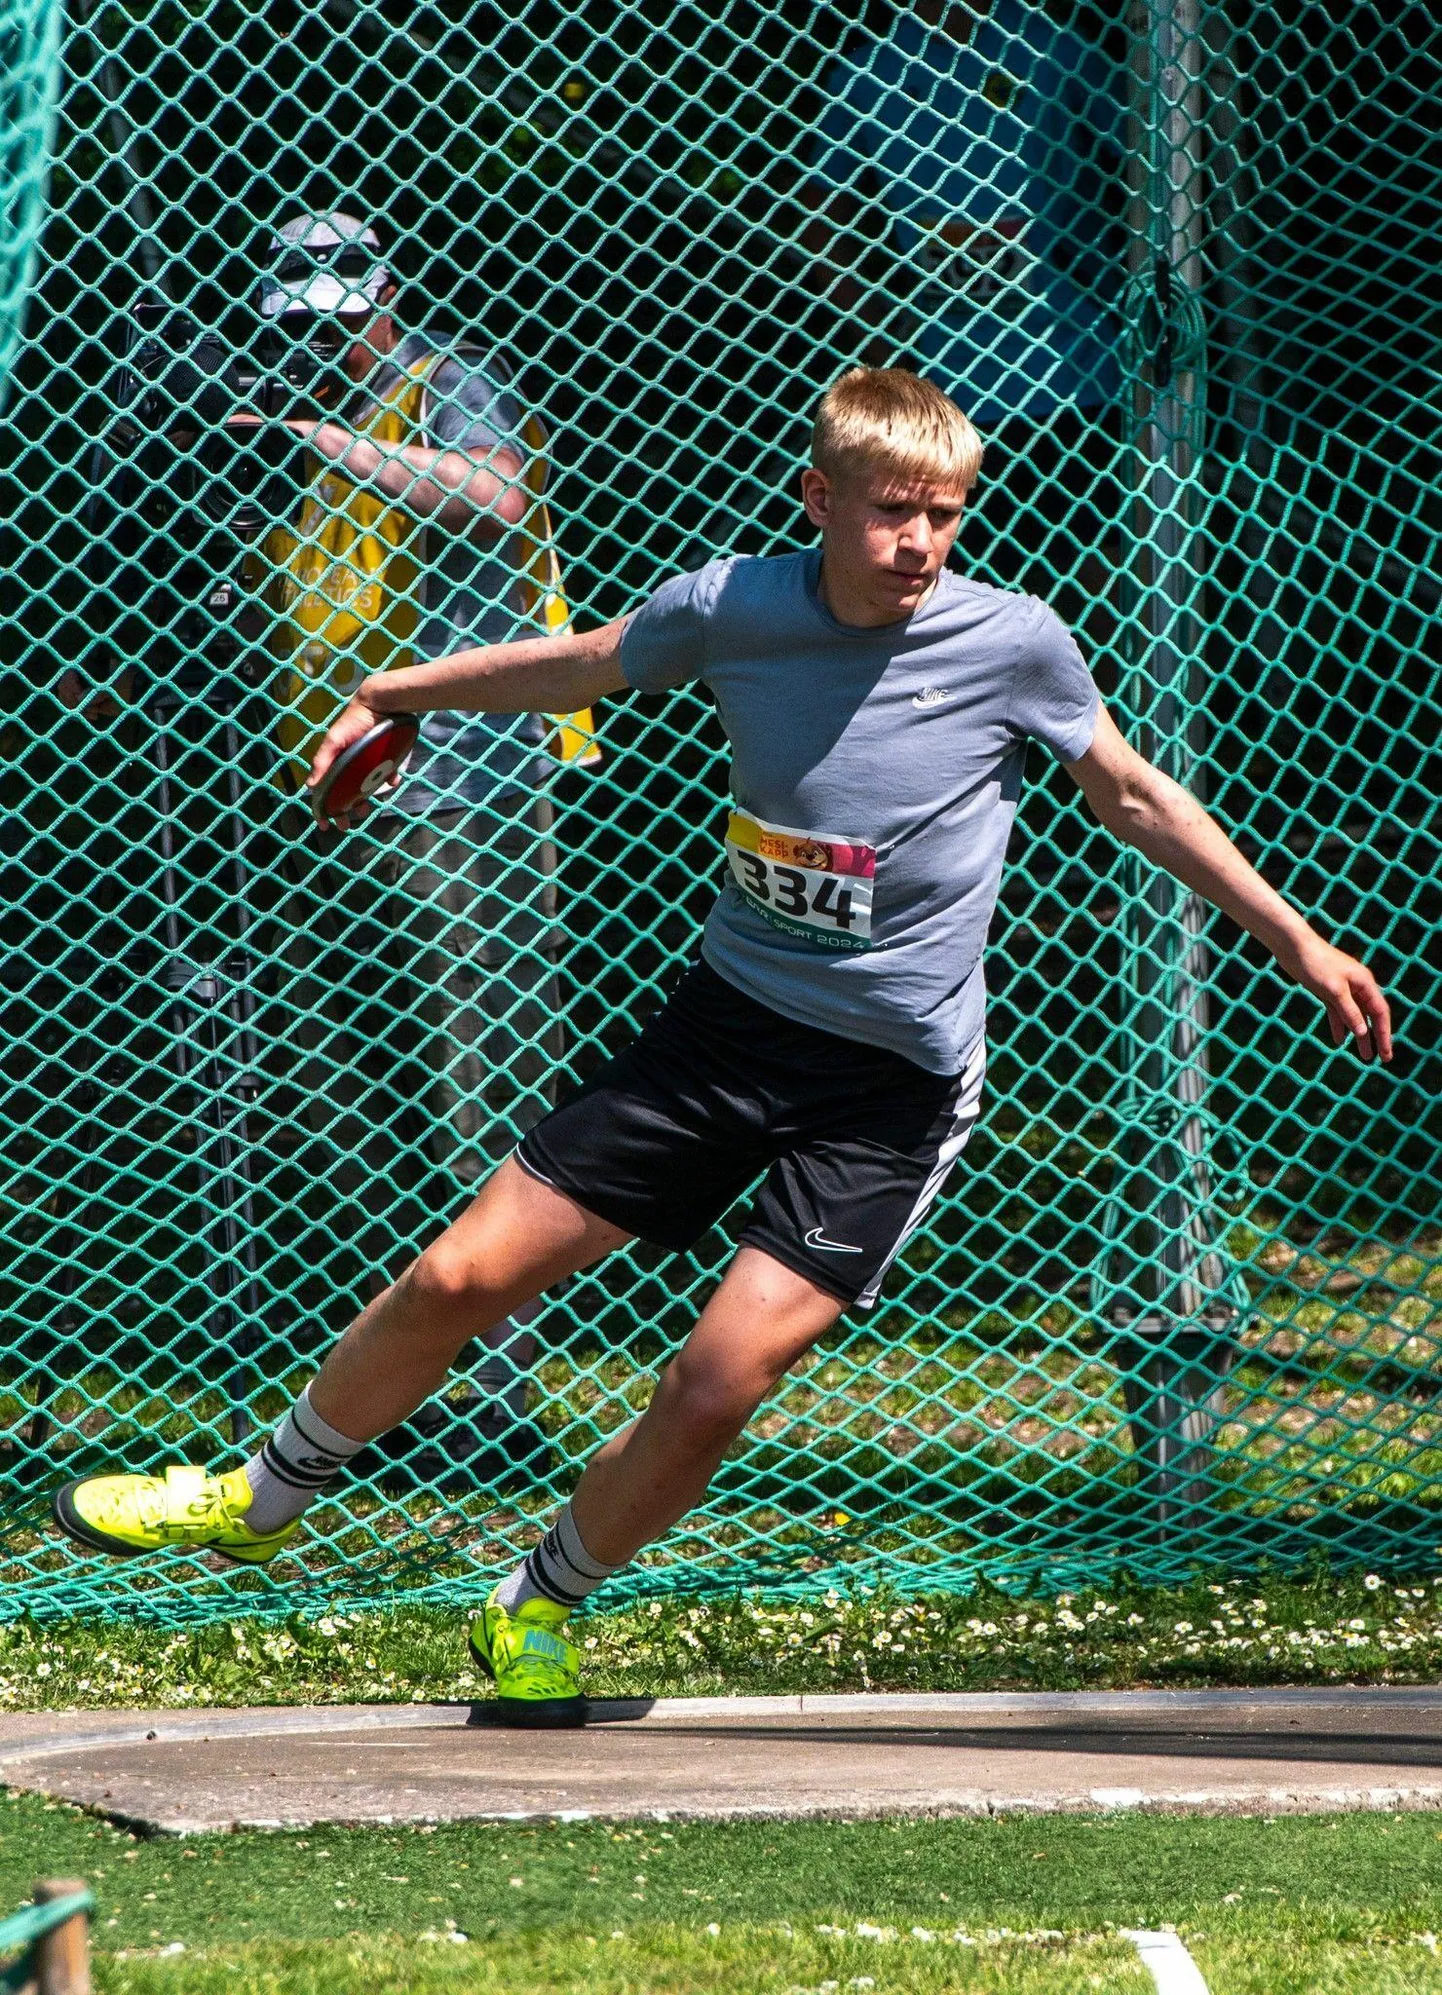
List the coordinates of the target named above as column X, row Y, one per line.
column 1262, row 1964
column 751, row 1961
column 668, row 1960
column 1316, row 1629
column 1305, row 1905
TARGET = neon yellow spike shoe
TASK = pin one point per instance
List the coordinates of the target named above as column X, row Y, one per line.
column 536, row 1670
column 183, row 1510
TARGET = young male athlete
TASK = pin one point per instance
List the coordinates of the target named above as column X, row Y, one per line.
column 829, row 1040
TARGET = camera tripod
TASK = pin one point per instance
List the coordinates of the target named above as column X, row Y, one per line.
column 201, row 967
column 211, row 493
column 211, row 1018
column 198, row 716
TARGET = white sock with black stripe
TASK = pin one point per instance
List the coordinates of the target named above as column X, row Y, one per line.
column 294, row 1466
column 560, row 1569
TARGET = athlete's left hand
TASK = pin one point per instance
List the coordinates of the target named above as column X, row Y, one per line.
column 1352, row 995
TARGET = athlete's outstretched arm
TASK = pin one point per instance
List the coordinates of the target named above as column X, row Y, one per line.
column 560, row 675
column 1147, row 809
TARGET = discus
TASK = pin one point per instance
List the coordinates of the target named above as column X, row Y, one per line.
column 366, row 767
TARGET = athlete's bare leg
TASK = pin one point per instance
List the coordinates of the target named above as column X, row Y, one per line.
column 761, row 1319
column 516, row 1239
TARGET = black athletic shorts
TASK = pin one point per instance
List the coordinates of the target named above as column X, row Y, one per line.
column 854, row 1141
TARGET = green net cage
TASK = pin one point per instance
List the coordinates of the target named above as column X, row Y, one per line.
column 1182, row 1303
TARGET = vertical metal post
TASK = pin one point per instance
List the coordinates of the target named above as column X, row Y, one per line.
column 1164, row 1288
column 62, row 1955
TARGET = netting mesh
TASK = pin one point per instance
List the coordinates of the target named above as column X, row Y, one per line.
column 1184, row 1299
column 29, row 30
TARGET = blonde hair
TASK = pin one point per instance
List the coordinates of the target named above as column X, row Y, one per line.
column 886, row 419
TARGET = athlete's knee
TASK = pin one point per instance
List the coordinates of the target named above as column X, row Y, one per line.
column 451, row 1281
column 708, row 1405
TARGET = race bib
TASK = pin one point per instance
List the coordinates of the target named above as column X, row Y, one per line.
column 808, row 883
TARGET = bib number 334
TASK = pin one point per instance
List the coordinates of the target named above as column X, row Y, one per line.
column 809, row 883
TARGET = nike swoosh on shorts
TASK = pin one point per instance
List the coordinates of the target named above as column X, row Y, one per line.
column 815, row 1238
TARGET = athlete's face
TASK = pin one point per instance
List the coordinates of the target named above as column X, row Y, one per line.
column 883, row 542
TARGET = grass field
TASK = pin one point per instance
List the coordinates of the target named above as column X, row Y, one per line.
column 1343, row 1906
column 1347, row 1905
column 1357, row 1628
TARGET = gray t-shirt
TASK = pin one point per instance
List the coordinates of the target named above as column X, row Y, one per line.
column 875, row 775
column 470, row 593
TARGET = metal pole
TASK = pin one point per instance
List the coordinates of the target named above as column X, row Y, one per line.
column 62, row 1955
column 1165, row 1288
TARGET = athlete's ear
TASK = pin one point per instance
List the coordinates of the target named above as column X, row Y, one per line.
column 816, row 496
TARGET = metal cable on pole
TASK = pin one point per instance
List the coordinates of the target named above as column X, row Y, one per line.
column 1163, row 1287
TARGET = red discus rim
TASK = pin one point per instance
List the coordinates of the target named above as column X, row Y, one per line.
column 365, row 767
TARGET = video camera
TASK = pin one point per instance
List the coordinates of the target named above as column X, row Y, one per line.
column 180, row 385
column 181, row 493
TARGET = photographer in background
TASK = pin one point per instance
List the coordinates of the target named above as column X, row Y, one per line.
column 428, row 933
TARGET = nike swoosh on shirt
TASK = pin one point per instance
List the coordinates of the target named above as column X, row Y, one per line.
column 815, row 1238
column 931, row 696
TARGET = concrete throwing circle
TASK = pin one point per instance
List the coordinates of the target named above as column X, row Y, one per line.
column 1215, row 1751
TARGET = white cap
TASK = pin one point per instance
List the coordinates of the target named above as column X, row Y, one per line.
column 323, row 263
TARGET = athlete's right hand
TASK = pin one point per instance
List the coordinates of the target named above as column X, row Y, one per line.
column 353, row 721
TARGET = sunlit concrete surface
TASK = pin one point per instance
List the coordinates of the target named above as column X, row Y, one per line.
column 1242, row 1752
